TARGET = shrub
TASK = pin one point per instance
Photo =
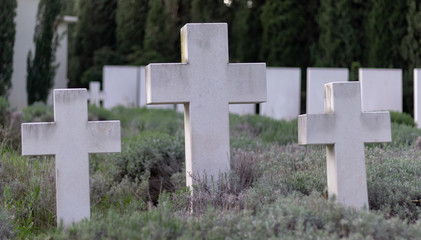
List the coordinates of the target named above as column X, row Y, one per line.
column 10, row 122
column 292, row 217
column 135, row 121
column 96, row 113
column 6, row 225
column 38, row 112
column 151, row 156
column 264, row 128
column 28, row 191
column 402, row 118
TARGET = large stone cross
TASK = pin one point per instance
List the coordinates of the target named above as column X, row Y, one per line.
column 344, row 128
column 205, row 82
column 71, row 138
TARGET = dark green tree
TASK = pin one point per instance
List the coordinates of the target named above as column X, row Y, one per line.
column 209, row 11
column 41, row 69
column 340, row 28
column 162, row 33
column 131, row 17
column 95, row 30
column 289, row 30
column 386, row 27
column 289, row 34
column 411, row 51
column 7, row 41
column 247, row 30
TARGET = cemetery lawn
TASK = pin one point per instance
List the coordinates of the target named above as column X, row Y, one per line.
column 276, row 189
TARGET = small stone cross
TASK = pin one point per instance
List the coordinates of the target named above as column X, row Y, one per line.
column 344, row 128
column 71, row 137
column 205, row 82
column 95, row 95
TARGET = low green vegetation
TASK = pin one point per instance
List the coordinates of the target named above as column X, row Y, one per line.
column 276, row 188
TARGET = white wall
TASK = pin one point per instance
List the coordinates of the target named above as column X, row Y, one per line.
column 25, row 24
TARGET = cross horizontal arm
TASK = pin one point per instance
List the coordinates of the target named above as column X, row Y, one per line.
column 104, row 136
column 316, row 129
column 167, row 83
column 247, row 82
column 39, row 138
column 376, row 127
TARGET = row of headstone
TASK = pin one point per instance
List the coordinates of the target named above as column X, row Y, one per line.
column 205, row 83
column 381, row 89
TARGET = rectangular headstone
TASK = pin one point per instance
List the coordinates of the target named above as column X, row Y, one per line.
column 381, row 89
column 283, row 89
column 417, row 97
column 121, row 86
column 71, row 137
column 316, row 79
column 344, row 129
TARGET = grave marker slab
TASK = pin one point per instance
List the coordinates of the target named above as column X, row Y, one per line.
column 417, row 97
column 95, row 95
column 344, row 128
column 71, row 137
column 316, row 78
column 381, row 89
column 283, row 89
column 121, row 85
column 205, row 82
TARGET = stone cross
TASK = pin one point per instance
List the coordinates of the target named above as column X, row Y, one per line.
column 344, row 128
column 205, row 82
column 71, row 137
column 95, row 95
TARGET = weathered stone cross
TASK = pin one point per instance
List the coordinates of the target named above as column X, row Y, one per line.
column 95, row 95
column 70, row 138
column 344, row 128
column 205, row 82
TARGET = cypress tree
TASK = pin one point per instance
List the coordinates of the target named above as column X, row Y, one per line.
column 340, row 38
column 209, row 11
column 40, row 68
column 131, row 17
column 411, row 51
column 289, row 30
column 7, row 41
column 247, row 31
column 162, row 31
column 95, row 31
column 386, row 27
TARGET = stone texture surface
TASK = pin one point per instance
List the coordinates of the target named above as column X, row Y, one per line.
column 121, row 86
column 283, row 93
column 205, row 82
column 95, row 96
column 381, row 89
column 242, row 109
column 71, row 138
column 344, row 128
column 316, row 78
column 142, row 102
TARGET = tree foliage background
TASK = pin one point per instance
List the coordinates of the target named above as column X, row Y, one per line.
column 7, row 41
column 287, row 33
column 40, row 66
